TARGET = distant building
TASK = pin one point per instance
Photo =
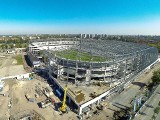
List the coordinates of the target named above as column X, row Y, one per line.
column 11, row 51
column 82, row 35
column 92, row 35
column 32, row 37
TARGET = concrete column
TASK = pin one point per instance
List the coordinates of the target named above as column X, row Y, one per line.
column 112, row 71
column 79, row 110
column 69, row 100
column 125, row 70
column 98, row 101
column 58, row 71
column 76, row 72
column 105, row 73
column 88, row 75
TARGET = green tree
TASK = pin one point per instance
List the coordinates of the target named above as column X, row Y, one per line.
column 6, row 46
column 18, row 45
column 156, row 77
column 3, row 46
column 25, row 45
column 157, row 110
column 41, row 53
column 10, row 46
column 153, row 117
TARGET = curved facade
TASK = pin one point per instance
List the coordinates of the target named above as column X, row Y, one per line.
column 124, row 60
column 36, row 46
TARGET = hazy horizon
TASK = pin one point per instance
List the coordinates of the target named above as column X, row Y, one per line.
column 127, row 17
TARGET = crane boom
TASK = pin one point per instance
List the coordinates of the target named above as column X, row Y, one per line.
column 63, row 107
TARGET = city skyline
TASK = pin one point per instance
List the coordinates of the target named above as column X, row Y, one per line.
column 90, row 17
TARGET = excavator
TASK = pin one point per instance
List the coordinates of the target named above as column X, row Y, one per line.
column 64, row 106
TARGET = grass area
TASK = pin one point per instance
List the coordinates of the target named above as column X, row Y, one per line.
column 156, row 45
column 19, row 59
column 83, row 56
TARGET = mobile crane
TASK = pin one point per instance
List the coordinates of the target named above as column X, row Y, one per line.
column 63, row 107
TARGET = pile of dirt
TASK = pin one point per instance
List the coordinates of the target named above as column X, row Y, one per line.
column 80, row 97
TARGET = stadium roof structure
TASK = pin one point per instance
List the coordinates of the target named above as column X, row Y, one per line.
column 109, row 49
column 113, row 48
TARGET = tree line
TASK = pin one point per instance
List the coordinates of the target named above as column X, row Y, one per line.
column 10, row 44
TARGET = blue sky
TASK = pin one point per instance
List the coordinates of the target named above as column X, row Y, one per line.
column 80, row 16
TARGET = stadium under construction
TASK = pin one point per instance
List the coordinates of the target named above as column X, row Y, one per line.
column 92, row 69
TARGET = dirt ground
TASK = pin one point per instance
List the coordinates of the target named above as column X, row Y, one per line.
column 16, row 101
column 8, row 66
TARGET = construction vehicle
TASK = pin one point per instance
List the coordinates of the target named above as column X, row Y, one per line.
column 49, row 101
column 29, row 98
column 64, row 106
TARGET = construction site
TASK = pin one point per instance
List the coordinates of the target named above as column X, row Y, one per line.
column 92, row 70
column 73, row 79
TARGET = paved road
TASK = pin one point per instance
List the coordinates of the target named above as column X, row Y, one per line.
column 125, row 97
column 149, row 111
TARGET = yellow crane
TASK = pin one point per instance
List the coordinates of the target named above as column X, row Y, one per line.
column 63, row 107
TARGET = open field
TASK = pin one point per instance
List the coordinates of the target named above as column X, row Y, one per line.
column 19, row 59
column 83, row 56
column 9, row 66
